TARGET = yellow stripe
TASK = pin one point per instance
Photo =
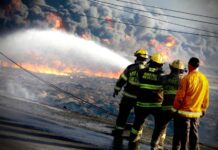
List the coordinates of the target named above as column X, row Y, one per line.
column 187, row 113
column 123, row 76
column 166, row 107
column 129, row 95
column 173, row 109
column 134, row 83
column 151, row 87
column 141, row 104
column 170, row 91
column 117, row 88
column 136, row 132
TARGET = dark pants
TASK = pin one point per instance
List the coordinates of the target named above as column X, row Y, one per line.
column 186, row 131
column 126, row 105
column 140, row 114
column 161, row 128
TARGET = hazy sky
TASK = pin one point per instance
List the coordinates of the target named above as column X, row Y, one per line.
column 202, row 7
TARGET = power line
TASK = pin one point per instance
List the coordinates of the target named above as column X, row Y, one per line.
column 188, row 13
column 153, row 28
column 59, row 89
column 156, row 13
column 161, row 20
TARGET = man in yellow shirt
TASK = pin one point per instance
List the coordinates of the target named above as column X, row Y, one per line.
column 191, row 102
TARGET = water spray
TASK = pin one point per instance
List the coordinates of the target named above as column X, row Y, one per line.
column 61, row 50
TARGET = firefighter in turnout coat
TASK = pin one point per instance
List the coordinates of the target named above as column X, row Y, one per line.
column 170, row 87
column 149, row 97
column 128, row 80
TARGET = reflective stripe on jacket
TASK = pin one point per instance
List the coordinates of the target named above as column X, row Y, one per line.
column 170, row 87
column 192, row 96
column 136, row 132
column 143, row 104
column 150, row 93
column 129, row 80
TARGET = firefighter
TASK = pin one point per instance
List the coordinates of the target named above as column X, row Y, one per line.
column 191, row 102
column 149, row 97
column 128, row 80
column 170, row 86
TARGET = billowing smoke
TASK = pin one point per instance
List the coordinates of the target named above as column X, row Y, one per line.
column 98, row 21
column 119, row 28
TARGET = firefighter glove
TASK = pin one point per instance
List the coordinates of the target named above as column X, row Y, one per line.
column 115, row 93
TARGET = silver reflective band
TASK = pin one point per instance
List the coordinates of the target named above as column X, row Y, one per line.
column 119, row 128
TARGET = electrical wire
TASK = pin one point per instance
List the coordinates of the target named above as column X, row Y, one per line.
column 153, row 28
column 172, row 16
column 59, row 89
column 160, row 19
column 177, row 11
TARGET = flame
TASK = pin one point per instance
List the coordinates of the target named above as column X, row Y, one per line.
column 55, row 20
column 127, row 37
column 106, row 41
column 109, row 21
column 170, row 41
column 165, row 47
column 59, row 68
column 108, row 18
column 85, row 36
column 15, row 4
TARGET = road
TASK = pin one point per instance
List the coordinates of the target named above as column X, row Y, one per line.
column 28, row 125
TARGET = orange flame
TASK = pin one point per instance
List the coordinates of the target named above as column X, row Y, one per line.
column 164, row 47
column 170, row 41
column 86, row 36
column 15, row 4
column 59, row 68
column 55, row 20
column 109, row 20
column 127, row 37
column 106, row 41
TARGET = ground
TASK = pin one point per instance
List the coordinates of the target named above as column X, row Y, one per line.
column 31, row 125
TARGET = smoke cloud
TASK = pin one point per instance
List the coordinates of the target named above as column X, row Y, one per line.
column 119, row 28
column 17, row 90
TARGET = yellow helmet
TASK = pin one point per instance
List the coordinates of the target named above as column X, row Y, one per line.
column 178, row 64
column 142, row 53
column 158, row 58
